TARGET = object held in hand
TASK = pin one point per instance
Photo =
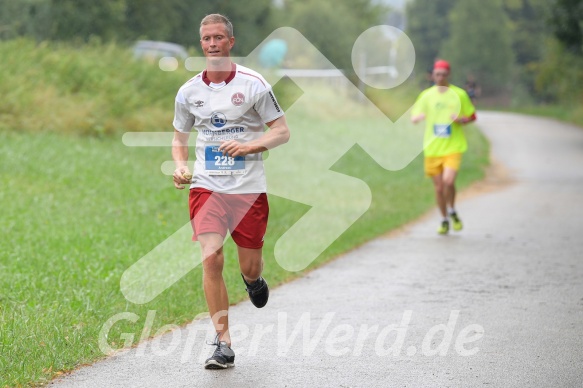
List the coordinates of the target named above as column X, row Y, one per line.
column 187, row 175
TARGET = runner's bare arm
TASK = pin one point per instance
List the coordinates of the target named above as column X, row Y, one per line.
column 417, row 118
column 180, row 157
column 464, row 120
column 278, row 134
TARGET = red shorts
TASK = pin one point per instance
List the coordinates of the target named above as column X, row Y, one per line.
column 244, row 215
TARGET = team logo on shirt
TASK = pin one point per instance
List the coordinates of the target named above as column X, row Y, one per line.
column 238, row 99
column 218, row 119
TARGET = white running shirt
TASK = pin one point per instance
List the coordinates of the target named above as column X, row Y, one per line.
column 235, row 109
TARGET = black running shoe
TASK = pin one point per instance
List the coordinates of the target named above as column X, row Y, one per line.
column 258, row 291
column 222, row 358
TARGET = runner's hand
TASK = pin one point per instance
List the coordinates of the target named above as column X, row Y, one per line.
column 234, row 148
column 182, row 176
column 459, row 119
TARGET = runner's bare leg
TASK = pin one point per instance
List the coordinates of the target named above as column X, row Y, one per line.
column 213, row 283
column 251, row 263
column 439, row 194
column 449, row 191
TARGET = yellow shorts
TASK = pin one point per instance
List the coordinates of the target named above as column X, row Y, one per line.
column 434, row 165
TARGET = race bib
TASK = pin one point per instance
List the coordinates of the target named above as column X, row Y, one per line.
column 442, row 130
column 218, row 164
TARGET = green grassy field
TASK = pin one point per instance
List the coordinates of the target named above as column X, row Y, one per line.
column 79, row 210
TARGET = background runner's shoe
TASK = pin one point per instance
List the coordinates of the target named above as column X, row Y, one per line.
column 457, row 223
column 222, row 358
column 444, row 228
column 258, row 291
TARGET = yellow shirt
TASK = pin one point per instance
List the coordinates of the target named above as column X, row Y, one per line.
column 442, row 135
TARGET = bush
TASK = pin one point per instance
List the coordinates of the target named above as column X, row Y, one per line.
column 95, row 89
column 559, row 77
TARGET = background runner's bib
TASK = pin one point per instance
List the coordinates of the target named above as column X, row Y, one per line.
column 218, row 164
column 442, row 130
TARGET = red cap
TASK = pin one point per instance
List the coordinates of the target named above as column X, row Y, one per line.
column 441, row 64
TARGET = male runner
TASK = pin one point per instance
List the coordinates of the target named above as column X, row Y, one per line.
column 445, row 108
column 229, row 106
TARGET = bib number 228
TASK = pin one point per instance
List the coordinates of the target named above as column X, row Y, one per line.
column 224, row 161
column 218, row 164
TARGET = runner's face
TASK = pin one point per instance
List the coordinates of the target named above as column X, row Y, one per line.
column 440, row 77
column 214, row 41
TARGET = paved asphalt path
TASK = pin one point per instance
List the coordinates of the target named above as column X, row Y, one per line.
column 499, row 304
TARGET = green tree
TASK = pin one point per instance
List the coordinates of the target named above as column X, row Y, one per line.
column 83, row 19
column 151, row 19
column 178, row 20
column 128, row 20
column 253, row 21
column 25, row 18
column 335, row 35
column 528, row 28
column 428, row 27
column 480, row 44
column 567, row 24
column 529, row 31
column 559, row 77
